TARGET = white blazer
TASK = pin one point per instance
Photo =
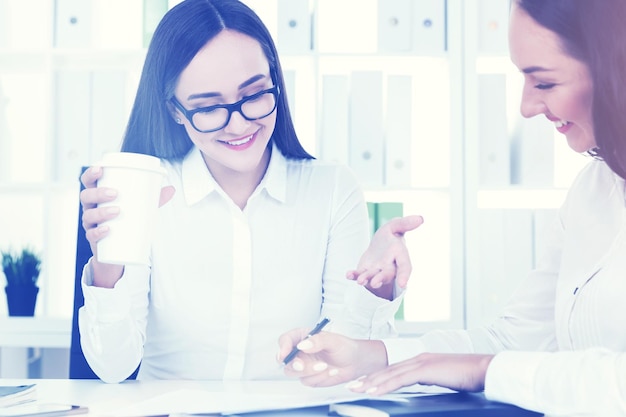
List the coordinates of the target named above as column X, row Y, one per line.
column 561, row 339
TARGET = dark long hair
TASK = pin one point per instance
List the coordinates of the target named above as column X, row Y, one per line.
column 594, row 32
column 182, row 32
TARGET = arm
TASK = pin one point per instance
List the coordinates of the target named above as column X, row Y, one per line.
column 112, row 321
column 112, row 324
column 355, row 310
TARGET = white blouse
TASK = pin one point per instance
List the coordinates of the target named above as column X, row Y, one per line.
column 561, row 340
column 225, row 283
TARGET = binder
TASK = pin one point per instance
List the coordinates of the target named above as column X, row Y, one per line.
column 398, row 133
column 493, row 23
column 437, row 405
column 72, row 24
column 72, row 130
column 387, row 211
column 494, row 159
column 109, row 112
column 366, row 127
column 394, row 26
column 429, row 27
column 294, row 26
column 335, row 130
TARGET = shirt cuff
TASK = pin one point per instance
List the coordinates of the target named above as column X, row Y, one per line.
column 374, row 315
column 107, row 305
column 511, row 377
column 400, row 349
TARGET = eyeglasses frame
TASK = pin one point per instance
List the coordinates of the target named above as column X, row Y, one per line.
column 275, row 90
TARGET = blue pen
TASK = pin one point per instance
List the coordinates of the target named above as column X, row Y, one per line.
column 318, row 328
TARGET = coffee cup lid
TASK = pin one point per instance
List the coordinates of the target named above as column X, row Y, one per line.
column 131, row 160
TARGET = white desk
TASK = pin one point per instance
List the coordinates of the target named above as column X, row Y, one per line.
column 281, row 398
column 113, row 399
column 19, row 333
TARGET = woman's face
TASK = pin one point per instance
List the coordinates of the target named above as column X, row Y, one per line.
column 228, row 68
column 555, row 84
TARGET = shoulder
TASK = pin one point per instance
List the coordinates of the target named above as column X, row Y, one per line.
column 319, row 167
column 332, row 173
column 596, row 177
column 596, row 189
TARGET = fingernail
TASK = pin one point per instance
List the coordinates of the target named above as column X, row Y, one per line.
column 320, row 366
column 110, row 192
column 354, row 384
column 333, row 372
column 377, row 285
column 113, row 210
column 371, row 390
column 298, row 366
column 305, row 344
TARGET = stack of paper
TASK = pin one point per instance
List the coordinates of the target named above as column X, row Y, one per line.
column 16, row 394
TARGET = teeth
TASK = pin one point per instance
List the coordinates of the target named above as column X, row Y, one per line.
column 561, row 123
column 239, row 142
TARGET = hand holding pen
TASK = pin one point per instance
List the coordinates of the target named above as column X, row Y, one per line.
column 328, row 358
column 318, row 328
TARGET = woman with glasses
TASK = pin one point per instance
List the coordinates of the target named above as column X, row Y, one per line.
column 257, row 235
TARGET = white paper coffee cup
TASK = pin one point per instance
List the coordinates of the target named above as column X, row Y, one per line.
column 138, row 180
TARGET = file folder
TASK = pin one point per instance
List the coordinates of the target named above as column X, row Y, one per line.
column 438, row 405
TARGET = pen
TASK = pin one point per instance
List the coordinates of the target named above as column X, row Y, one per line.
column 318, row 328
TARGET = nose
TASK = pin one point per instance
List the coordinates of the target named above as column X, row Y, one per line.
column 237, row 123
column 532, row 104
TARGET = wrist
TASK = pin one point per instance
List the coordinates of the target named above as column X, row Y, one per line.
column 105, row 275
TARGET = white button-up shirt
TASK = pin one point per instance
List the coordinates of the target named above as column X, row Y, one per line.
column 562, row 336
column 225, row 283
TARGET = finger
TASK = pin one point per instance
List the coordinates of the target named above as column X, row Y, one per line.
column 98, row 215
column 352, row 275
column 367, row 275
column 287, row 341
column 384, row 276
column 91, row 197
column 90, row 177
column 97, row 233
column 405, row 224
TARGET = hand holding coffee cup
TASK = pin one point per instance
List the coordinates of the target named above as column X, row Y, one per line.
column 137, row 180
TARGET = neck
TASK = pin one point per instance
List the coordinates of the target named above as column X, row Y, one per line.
column 238, row 185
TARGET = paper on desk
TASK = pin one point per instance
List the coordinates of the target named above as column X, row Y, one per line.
column 242, row 398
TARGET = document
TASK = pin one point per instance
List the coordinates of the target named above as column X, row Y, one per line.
column 245, row 397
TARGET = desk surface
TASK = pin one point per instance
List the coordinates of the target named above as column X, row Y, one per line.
column 157, row 398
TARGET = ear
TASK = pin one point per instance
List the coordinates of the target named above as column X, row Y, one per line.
column 175, row 113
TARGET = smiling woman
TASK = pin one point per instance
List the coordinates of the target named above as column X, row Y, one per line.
column 256, row 226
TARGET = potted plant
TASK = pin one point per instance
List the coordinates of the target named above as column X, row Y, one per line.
column 21, row 270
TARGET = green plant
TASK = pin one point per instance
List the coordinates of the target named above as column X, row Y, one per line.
column 21, row 268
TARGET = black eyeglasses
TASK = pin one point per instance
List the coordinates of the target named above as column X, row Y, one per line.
column 213, row 118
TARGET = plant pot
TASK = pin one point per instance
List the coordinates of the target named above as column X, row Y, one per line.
column 21, row 299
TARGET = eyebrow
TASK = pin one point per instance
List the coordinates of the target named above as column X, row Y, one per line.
column 244, row 84
column 534, row 69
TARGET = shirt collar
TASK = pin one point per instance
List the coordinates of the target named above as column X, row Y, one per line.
column 198, row 182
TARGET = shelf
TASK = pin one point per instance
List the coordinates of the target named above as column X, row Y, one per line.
column 520, row 198
column 42, row 332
